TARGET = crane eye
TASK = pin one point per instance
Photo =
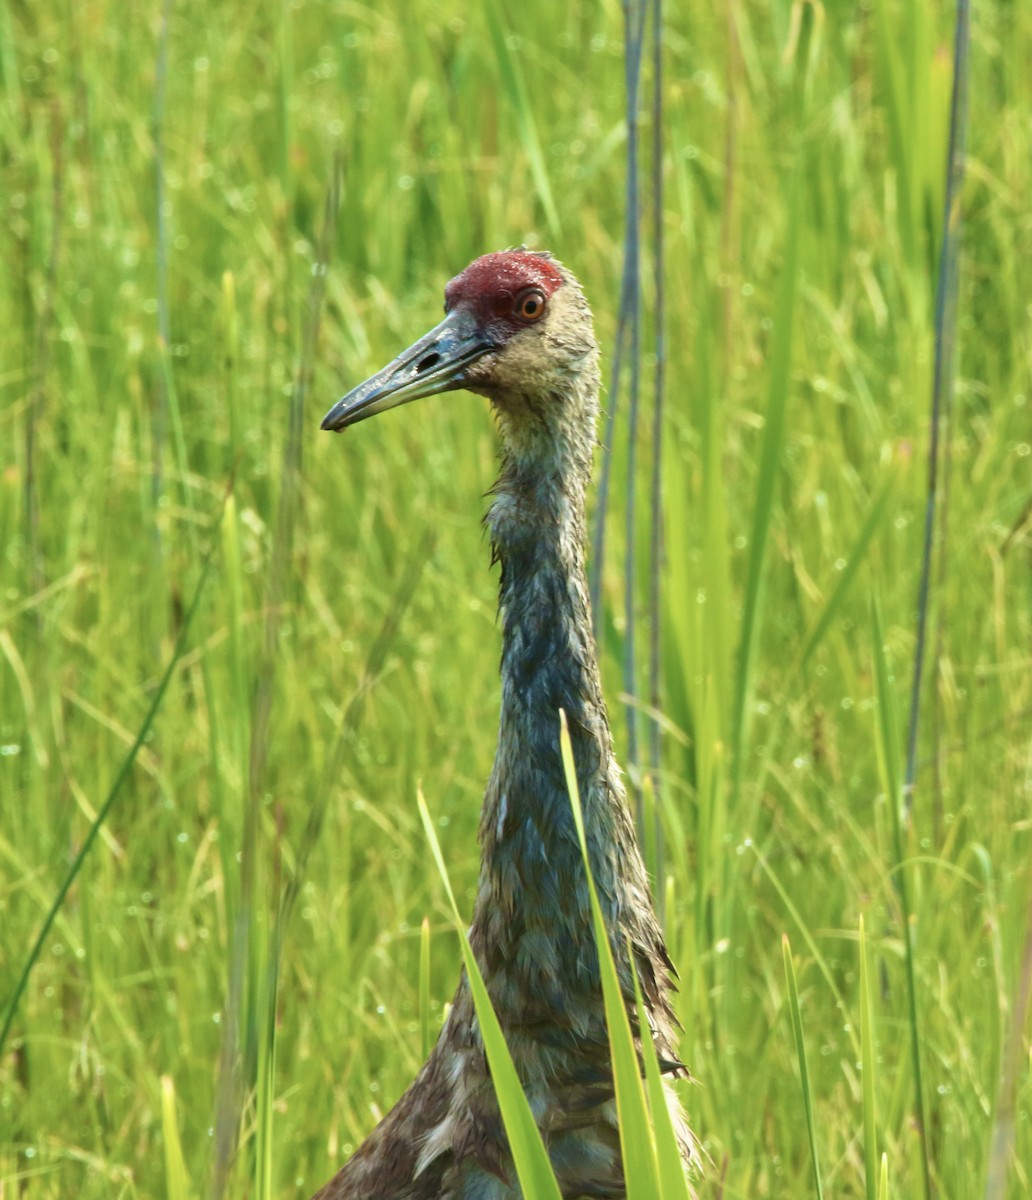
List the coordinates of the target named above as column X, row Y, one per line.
column 530, row 305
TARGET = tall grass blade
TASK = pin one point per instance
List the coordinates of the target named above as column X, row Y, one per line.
column 637, row 1139
column 41, row 364
column 770, row 464
column 529, row 1155
column 284, row 90
column 231, row 357
column 516, row 93
column 717, row 638
column 672, row 1182
column 173, row 419
column 10, row 80
column 868, row 1056
column 812, row 945
column 161, row 250
column 942, row 387
column 628, row 307
column 265, row 1073
column 245, row 1033
column 887, row 741
column 857, row 556
column 634, row 19
column 177, row 1181
column 898, row 110
column 1015, row 1050
column 659, row 378
column 291, row 481
column 804, row 1074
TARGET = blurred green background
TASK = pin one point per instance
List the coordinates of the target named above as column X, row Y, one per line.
column 163, row 183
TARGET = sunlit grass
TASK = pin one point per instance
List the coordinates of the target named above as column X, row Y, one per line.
column 384, row 666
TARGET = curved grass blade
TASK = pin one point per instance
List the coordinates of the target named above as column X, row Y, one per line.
column 529, row 1155
column 770, row 463
column 516, row 92
column 177, row 1181
column 655, row 619
column 672, row 1182
column 857, row 555
column 797, row 1033
column 105, row 808
column 942, row 387
column 867, row 1061
column 634, row 19
column 889, row 762
column 1011, row 1072
column 266, row 988
column 637, row 1138
column 812, row 945
column 627, row 315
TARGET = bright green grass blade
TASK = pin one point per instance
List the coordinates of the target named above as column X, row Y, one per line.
column 529, row 1156
column 804, row 1074
column 898, row 120
column 887, row 739
column 871, row 525
column 1015, row 1059
column 883, row 1179
column 808, row 937
column 716, row 559
column 867, row 1061
column 672, row 1182
column 177, row 1181
column 233, row 579
column 231, row 357
column 175, row 418
column 9, row 76
column 890, row 762
column 637, row 1140
column 284, row 88
column 516, row 92
column 769, row 472
column 267, row 986
column 425, row 1036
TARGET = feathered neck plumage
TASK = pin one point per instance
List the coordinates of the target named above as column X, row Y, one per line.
column 531, row 858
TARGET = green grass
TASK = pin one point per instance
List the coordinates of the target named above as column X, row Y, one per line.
column 236, row 984
column 530, row 1158
column 651, row 1157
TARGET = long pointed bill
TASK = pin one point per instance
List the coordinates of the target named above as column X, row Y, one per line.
column 436, row 363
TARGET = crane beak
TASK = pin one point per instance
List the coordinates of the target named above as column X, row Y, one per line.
column 436, row 363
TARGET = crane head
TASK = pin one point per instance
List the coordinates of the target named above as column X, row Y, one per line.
column 516, row 327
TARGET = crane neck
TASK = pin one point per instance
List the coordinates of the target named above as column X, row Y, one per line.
column 537, row 520
column 549, row 662
column 538, row 533
column 532, row 925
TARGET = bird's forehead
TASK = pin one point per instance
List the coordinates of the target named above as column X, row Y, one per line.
column 502, row 275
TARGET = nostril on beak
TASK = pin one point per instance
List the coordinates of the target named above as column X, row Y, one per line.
column 425, row 364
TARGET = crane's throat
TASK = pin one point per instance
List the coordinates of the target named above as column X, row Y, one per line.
column 533, row 909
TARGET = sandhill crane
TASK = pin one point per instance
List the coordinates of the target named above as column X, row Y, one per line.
column 518, row 330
